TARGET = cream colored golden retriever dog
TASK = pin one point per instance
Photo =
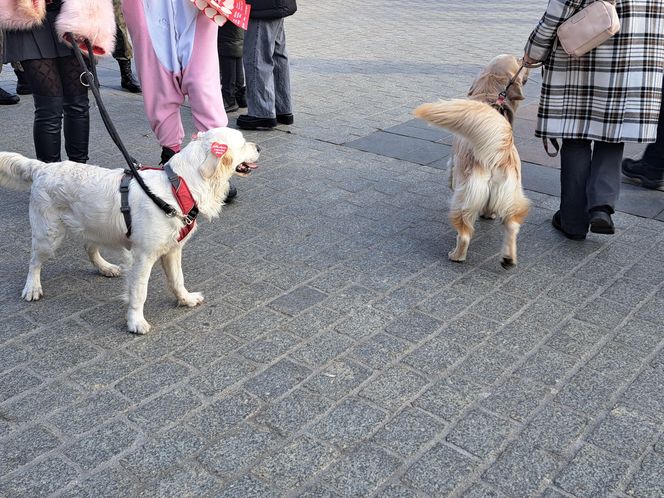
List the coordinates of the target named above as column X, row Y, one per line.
column 486, row 173
column 85, row 199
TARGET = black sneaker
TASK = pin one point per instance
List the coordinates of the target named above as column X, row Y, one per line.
column 166, row 154
column 7, row 98
column 286, row 119
column 649, row 176
column 232, row 193
column 246, row 122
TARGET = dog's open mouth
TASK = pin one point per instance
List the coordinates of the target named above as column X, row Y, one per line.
column 245, row 169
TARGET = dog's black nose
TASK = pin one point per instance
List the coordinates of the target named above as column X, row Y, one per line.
column 258, row 148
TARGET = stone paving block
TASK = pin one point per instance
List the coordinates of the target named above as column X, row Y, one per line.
column 338, row 378
column 546, row 366
column 646, row 392
column 207, row 348
column 162, row 452
column 603, row 313
column 24, row 446
column 267, row 348
column 362, row 471
column 400, row 147
column 160, row 342
column 397, row 491
column 317, row 491
column 518, row 337
column 647, row 270
column 480, row 433
column 648, row 482
column 439, row 471
column 469, row 330
column 588, row 391
column 248, row 486
column 446, row 304
column 573, row 290
column 106, row 370
column 486, row 364
column 413, row 326
column 40, row 402
column 223, row 414
column 182, row 482
column 335, row 279
column 312, row 321
column 41, row 479
column 350, row 299
column 400, row 300
column 526, row 284
column 555, row 429
column 363, row 322
column 639, row 334
column 576, row 338
column 108, row 483
column 516, row 398
column 351, row 421
column 165, row 409
column 295, row 463
column 546, row 312
column 224, row 373
column 12, row 356
column 380, row 350
column 448, row 397
column 435, row 355
column 237, row 449
column 408, row 432
column 624, row 432
column 254, row 323
column 616, row 360
column 591, row 473
column 155, row 377
column 101, row 445
column 499, row 306
column 628, row 292
column 277, row 379
column 520, row 469
column 297, row 300
column 292, row 412
column 322, row 348
column 17, row 381
column 652, row 310
column 90, row 413
column 394, row 387
column 14, row 326
column 481, row 491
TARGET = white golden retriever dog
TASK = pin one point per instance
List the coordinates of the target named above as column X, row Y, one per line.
column 85, row 199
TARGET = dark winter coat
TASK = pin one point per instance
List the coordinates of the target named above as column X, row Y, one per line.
column 230, row 40
column 272, row 9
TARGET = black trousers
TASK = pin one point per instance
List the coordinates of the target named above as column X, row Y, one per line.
column 589, row 177
column 654, row 154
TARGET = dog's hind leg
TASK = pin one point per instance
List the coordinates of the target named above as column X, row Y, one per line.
column 172, row 264
column 105, row 268
column 47, row 234
column 463, row 223
column 511, row 225
column 137, row 282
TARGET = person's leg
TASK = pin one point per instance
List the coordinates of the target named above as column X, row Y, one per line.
column 259, row 41
column 282, row 88
column 162, row 96
column 604, row 185
column 123, row 51
column 240, row 88
column 575, row 160
column 228, row 77
column 44, row 78
column 200, row 78
column 76, row 108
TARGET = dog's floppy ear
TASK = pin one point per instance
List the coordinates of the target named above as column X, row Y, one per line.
column 515, row 91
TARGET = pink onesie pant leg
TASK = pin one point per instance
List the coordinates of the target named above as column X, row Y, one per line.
column 162, row 96
column 200, row 79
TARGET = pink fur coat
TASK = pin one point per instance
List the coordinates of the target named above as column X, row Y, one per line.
column 91, row 19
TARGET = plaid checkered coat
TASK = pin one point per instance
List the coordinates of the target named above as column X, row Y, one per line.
column 612, row 93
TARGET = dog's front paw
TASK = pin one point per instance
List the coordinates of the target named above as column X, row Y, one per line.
column 32, row 292
column 138, row 325
column 110, row 271
column 507, row 262
column 191, row 299
column 456, row 257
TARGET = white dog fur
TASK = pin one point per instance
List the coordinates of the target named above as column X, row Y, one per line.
column 85, row 199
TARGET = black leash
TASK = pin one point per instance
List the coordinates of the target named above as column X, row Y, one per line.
column 92, row 82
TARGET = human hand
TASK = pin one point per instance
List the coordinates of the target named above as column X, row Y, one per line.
column 529, row 61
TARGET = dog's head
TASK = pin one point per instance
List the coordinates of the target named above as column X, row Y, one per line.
column 495, row 77
column 216, row 155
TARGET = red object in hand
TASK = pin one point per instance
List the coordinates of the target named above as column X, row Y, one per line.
column 219, row 11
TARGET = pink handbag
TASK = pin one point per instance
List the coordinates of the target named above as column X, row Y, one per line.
column 21, row 14
column 589, row 28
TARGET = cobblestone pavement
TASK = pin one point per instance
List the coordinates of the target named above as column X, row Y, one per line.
column 338, row 352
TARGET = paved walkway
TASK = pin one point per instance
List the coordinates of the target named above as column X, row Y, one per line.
column 338, row 352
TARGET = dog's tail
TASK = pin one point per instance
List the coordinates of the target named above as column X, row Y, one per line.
column 16, row 171
column 488, row 131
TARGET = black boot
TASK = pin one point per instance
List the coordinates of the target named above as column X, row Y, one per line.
column 7, row 98
column 127, row 79
column 166, row 154
column 241, row 97
column 77, row 127
column 22, row 83
column 648, row 175
column 47, row 128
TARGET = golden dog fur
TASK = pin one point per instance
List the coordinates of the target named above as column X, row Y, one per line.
column 486, row 174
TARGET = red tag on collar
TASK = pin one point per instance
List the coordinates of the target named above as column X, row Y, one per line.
column 218, row 149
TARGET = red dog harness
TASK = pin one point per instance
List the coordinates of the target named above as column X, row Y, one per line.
column 180, row 191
